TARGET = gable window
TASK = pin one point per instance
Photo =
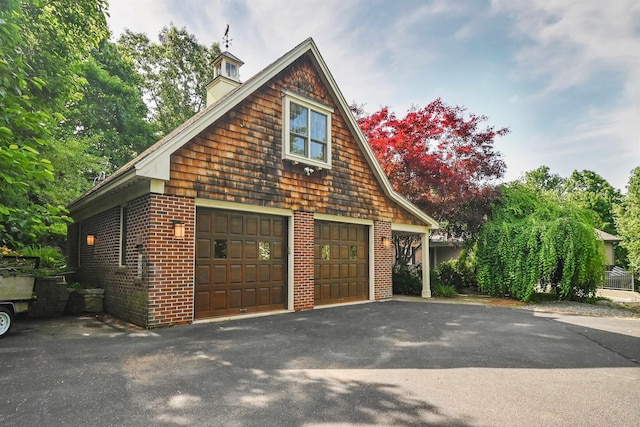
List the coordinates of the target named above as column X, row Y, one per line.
column 307, row 128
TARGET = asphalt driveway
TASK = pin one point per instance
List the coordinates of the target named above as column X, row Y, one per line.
column 393, row 363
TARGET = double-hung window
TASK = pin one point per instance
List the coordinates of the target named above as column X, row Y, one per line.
column 307, row 130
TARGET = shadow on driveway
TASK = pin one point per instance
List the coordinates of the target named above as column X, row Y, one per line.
column 392, row 363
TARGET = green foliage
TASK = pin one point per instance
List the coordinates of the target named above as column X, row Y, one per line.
column 111, row 116
column 627, row 219
column 534, row 238
column 456, row 273
column 51, row 257
column 443, row 291
column 174, row 73
column 407, row 280
column 542, row 179
column 41, row 45
column 589, row 190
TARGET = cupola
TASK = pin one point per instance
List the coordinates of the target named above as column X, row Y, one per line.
column 226, row 76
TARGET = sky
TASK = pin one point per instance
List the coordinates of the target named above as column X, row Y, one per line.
column 562, row 75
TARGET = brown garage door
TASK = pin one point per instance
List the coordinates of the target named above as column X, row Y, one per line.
column 341, row 262
column 240, row 263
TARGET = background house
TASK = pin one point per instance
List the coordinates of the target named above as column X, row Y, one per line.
column 269, row 199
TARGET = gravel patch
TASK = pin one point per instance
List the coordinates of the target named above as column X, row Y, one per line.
column 601, row 308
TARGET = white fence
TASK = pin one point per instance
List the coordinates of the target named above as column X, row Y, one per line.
column 619, row 279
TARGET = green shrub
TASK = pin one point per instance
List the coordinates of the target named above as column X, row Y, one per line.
column 457, row 274
column 51, row 258
column 443, row 291
column 407, row 279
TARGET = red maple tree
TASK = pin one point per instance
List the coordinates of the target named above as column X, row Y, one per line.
column 440, row 159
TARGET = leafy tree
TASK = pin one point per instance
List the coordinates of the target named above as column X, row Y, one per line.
column 102, row 130
column 542, row 179
column 591, row 191
column 112, row 114
column 174, row 73
column 627, row 219
column 586, row 189
column 440, row 159
column 41, row 43
column 534, row 238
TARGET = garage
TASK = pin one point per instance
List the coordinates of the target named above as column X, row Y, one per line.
column 340, row 262
column 241, row 263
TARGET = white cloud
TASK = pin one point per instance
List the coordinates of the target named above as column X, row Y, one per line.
column 580, row 46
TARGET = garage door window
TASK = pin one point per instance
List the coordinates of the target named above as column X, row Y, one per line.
column 264, row 250
column 220, row 249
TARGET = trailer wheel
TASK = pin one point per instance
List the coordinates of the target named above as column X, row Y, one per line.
column 6, row 319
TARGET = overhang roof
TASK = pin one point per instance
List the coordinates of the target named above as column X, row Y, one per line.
column 154, row 163
column 607, row 237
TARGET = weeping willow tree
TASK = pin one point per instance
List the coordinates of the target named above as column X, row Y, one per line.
column 534, row 240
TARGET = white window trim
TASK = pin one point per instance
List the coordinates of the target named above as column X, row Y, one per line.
column 312, row 105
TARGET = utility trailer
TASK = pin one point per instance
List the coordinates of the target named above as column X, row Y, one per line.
column 16, row 288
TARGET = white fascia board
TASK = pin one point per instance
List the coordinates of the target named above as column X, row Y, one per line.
column 94, row 204
column 369, row 155
column 108, row 186
column 342, row 219
column 242, row 207
column 410, row 228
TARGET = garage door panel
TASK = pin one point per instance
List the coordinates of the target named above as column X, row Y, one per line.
column 353, row 270
column 278, row 228
column 265, row 273
column 219, row 299
column 251, row 227
column 220, row 274
column 341, row 262
column 203, row 223
column 235, row 224
column 335, row 271
column 250, row 249
column 277, row 250
column 249, row 297
column 203, row 301
column 278, row 273
column 235, row 298
column 344, row 252
column 277, row 295
column 203, row 248
column 221, row 223
column 353, row 288
column 244, row 250
column 203, row 275
column 235, row 273
column 250, row 273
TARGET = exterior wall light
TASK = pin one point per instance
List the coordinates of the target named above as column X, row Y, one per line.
column 91, row 239
column 386, row 242
column 178, row 229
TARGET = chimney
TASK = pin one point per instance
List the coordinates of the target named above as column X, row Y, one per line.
column 226, row 76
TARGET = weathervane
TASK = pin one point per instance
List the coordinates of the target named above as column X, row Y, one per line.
column 227, row 41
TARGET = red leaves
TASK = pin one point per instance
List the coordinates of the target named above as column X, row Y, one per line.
column 439, row 158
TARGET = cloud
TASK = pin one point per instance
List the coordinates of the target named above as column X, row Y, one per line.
column 588, row 50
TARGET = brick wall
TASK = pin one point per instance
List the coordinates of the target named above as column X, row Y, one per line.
column 98, row 262
column 303, row 263
column 383, row 260
column 125, row 294
column 171, row 261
